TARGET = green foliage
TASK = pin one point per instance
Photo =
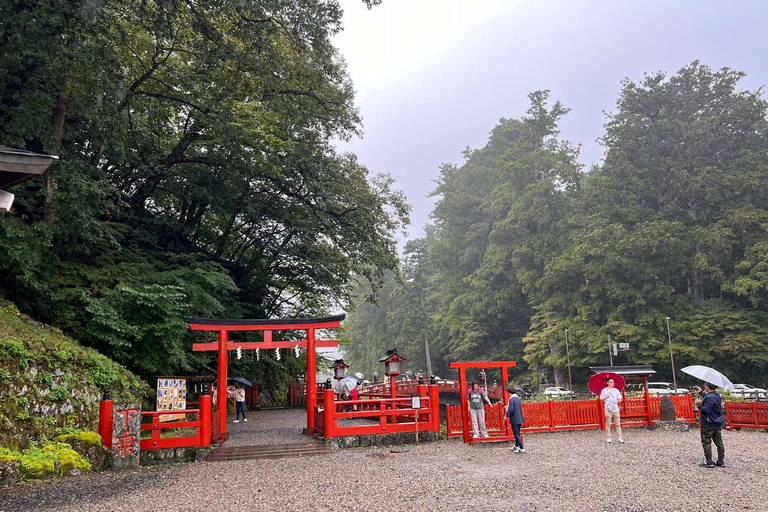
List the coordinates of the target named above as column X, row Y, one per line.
column 198, row 174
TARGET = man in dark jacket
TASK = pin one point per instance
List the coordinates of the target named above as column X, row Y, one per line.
column 711, row 419
column 515, row 414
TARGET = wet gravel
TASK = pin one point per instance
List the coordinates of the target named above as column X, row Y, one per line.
column 566, row 471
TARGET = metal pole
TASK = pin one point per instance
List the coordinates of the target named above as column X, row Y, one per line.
column 671, row 357
column 429, row 359
column 426, row 340
column 610, row 350
column 568, row 354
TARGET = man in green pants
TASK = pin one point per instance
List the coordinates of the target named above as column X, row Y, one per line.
column 711, row 419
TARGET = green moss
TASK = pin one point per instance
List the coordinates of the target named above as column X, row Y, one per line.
column 87, row 437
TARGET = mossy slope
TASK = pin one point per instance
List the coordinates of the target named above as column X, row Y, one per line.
column 49, row 381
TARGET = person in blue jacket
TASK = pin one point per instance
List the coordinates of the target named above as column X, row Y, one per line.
column 711, row 419
column 515, row 415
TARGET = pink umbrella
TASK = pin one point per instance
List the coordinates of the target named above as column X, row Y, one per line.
column 600, row 380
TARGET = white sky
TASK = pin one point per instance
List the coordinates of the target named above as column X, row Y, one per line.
column 435, row 76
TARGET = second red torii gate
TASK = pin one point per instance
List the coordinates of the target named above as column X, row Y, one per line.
column 462, row 367
column 223, row 345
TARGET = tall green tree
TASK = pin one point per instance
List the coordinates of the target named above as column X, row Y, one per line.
column 197, row 172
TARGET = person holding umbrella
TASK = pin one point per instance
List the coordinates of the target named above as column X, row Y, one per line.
column 611, row 397
column 239, row 402
column 711, row 419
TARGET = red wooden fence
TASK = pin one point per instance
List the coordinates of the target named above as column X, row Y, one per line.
column 201, row 423
column 393, row 414
column 552, row 416
column 743, row 415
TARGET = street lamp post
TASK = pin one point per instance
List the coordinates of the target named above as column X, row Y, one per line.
column 671, row 357
column 568, row 355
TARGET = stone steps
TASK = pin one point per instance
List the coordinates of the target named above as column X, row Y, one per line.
column 275, row 451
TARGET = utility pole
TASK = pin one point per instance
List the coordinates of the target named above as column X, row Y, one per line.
column 610, row 350
column 671, row 357
column 568, row 355
column 426, row 340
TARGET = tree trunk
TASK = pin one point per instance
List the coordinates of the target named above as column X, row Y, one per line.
column 59, row 115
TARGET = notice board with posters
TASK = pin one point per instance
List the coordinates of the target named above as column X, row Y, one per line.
column 171, row 396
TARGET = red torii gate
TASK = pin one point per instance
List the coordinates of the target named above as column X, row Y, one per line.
column 223, row 326
column 462, row 367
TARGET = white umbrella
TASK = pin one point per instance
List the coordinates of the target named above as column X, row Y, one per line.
column 710, row 375
column 347, row 384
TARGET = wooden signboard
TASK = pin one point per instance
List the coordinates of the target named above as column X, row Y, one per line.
column 171, row 396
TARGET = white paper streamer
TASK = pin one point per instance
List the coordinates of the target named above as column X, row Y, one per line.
column 277, row 353
column 298, row 350
column 257, row 354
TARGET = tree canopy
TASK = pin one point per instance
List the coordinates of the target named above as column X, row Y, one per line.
column 197, row 170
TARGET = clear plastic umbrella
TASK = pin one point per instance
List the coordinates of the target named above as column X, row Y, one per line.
column 347, row 384
column 710, row 375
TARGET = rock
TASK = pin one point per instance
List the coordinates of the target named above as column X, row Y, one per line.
column 90, row 446
column 9, row 473
column 667, row 409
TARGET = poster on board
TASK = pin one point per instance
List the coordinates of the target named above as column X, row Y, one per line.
column 171, row 396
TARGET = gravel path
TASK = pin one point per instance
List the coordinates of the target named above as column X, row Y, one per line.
column 567, row 471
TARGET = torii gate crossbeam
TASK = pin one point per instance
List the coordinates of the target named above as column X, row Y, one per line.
column 223, row 326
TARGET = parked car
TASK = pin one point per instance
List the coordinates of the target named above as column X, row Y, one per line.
column 748, row 391
column 665, row 388
column 558, row 392
column 523, row 393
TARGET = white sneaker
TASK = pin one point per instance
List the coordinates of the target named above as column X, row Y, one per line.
column 521, row 450
column 609, row 440
column 236, row 421
column 246, row 419
column 515, row 450
column 621, row 440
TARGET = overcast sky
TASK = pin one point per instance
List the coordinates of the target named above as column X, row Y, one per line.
column 435, row 76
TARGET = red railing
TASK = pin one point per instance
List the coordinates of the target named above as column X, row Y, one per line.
column 393, row 414
column 744, row 415
column 409, row 387
column 552, row 416
column 297, row 393
column 201, row 424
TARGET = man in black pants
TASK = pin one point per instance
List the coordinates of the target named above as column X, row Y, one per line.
column 711, row 419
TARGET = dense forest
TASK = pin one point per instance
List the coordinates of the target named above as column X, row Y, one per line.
column 527, row 245
column 197, row 176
